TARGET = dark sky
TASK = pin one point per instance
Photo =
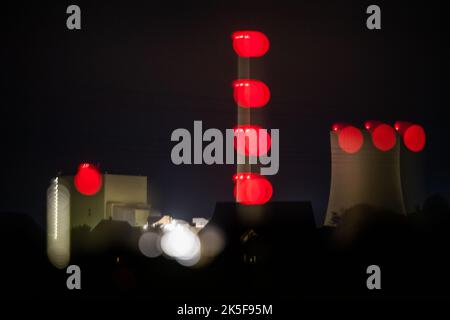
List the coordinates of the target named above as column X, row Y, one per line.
column 113, row 92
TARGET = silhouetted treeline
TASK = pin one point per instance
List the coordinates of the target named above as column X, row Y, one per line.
column 283, row 257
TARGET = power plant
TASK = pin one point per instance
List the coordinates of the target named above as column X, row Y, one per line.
column 121, row 198
column 58, row 223
column 366, row 168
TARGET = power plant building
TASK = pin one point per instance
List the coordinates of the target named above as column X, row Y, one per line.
column 121, row 198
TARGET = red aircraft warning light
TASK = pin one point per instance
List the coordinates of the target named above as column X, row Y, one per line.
column 250, row 44
column 401, row 126
column 383, row 135
column 253, row 140
column 88, row 180
column 350, row 138
column 413, row 135
column 252, row 188
column 249, row 93
column 338, row 126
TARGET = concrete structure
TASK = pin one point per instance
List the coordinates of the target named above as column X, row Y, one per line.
column 199, row 222
column 121, row 198
column 58, row 223
column 413, row 179
column 369, row 176
column 162, row 221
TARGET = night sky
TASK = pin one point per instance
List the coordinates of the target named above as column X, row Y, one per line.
column 113, row 92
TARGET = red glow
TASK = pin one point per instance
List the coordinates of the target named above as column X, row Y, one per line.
column 383, row 137
column 88, row 180
column 252, row 189
column 401, row 126
column 247, row 146
column 251, row 93
column 350, row 139
column 338, row 126
column 371, row 124
column 414, row 138
column 250, row 44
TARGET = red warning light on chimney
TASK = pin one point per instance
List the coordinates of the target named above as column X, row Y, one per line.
column 250, row 93
column 252, row 135
column 252, row 188
column 250, row 44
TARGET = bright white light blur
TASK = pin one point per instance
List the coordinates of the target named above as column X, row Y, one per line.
column 173, row 224
column 193, row 260
column 149, row 244
column 145, row 226
column 58, row 224
column 181, row 243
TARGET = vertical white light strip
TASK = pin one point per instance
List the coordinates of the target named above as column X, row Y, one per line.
column 58, row 224
column 56, row 207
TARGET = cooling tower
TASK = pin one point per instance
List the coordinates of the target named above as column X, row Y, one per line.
column 365, row 169
column 413, row 140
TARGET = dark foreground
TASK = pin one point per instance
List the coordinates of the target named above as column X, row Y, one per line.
column 294, row 259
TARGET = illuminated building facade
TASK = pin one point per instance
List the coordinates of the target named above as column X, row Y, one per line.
column 121, row 198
